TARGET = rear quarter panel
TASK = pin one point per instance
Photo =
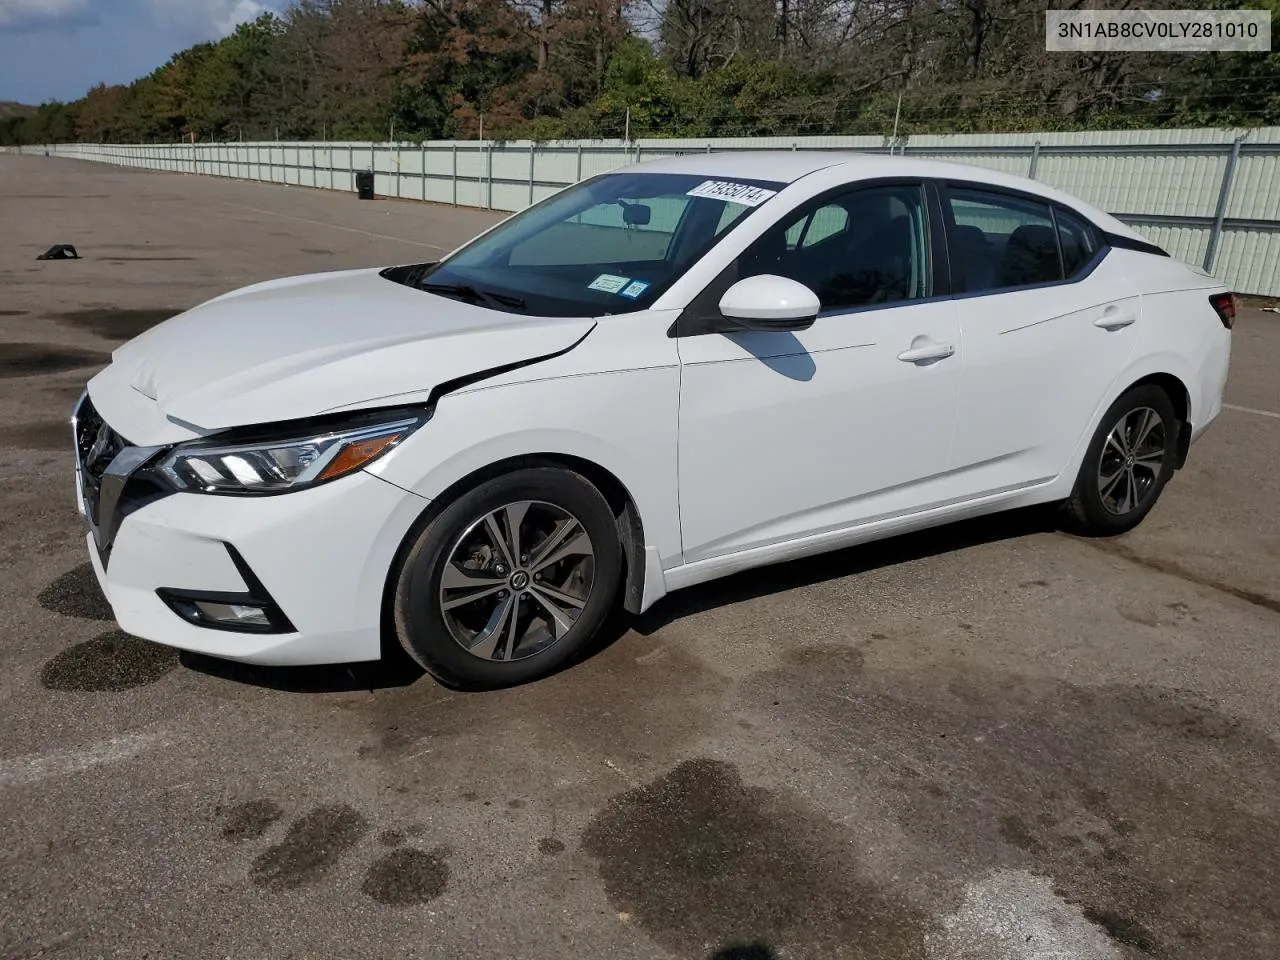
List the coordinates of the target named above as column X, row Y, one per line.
column 1180, row 333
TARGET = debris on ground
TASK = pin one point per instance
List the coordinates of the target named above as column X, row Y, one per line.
column 60, row 251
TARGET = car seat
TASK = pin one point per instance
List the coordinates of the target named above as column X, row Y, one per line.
column 1030, row 256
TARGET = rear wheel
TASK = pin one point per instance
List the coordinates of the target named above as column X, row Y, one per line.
column 509, row 581
column 1129, row 460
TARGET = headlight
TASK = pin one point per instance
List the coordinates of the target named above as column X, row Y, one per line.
column 277, row 466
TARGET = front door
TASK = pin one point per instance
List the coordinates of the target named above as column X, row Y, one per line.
column 786, row 435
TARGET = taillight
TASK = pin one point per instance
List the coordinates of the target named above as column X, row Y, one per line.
column 1224, row 305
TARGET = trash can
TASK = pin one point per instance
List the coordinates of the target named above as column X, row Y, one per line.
column 364, row 184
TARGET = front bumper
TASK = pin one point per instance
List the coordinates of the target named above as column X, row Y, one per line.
column 321, row 555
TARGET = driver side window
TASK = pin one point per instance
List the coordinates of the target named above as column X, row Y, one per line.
column 861, row 248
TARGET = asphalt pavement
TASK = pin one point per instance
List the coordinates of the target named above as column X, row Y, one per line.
column 992, row 741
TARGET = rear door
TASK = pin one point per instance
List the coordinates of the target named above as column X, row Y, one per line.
column 1048, row 323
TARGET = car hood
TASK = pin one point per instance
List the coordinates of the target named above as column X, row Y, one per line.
column 302, row 346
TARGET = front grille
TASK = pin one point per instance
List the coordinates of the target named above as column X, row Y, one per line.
column 113, row 475
column 96, row 446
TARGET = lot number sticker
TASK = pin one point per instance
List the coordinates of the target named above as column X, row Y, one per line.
column 743, row 193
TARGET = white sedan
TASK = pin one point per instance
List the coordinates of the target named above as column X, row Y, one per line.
column 657, row 377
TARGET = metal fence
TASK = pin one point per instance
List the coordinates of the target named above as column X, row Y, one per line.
column 1210, row 197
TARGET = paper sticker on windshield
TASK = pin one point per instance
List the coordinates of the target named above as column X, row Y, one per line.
column 743, row 193
column 608, row 283
column 634, row 289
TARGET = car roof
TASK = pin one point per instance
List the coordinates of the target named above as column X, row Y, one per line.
column 782, row 166
column 788, row 166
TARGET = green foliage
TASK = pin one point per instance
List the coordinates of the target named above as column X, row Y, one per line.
column 552, row 69
column 637, row 80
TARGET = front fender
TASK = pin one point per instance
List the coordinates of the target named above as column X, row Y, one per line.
column 625, row 423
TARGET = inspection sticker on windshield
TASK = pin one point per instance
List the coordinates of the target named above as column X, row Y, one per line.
column 743, row 193
column 608, row 283
column 634, row 289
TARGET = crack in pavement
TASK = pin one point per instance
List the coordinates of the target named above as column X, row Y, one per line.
column 1125, row 552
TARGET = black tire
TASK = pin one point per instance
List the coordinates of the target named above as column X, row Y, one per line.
column 420, row 620
column 1096, row 508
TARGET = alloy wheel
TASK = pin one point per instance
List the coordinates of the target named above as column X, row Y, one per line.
column 1132, row 458
column 517, row 580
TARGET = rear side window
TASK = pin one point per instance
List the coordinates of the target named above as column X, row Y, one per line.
column 1079, row 242
column 998, row 242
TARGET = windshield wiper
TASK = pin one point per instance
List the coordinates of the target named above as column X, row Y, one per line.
column 469, row 292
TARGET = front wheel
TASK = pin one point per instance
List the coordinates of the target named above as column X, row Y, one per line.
column 1129, row 460
column 510, row 580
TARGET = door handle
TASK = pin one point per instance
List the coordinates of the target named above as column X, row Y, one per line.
column 1113, row 319
column 929, row 350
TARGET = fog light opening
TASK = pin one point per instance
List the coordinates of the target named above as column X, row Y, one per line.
column 249, row 611
column 238, row 614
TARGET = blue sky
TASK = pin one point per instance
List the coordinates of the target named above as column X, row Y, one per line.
column 58, row 49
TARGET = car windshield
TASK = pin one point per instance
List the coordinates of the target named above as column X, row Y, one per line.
column 608, row 245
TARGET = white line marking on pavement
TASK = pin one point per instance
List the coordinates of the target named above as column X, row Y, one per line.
column 335, row 226
column 1256, row 413
column 23, row 770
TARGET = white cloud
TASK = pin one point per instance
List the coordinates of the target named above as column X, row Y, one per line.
column 206, row 19
column 20, row 15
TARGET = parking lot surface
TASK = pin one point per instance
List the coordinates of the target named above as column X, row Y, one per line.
column 992, row 740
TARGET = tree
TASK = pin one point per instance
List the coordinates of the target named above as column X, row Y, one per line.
column 700, row 36
column 555, row 68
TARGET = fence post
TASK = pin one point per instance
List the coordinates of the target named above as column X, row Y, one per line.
column 1035, row 160
column 488, row 176
column 423, row 145
column 579, row 163
column 1224, row 195
column 531, row 173
column 455, row 174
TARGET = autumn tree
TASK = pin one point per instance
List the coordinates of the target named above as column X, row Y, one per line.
column 586, row 68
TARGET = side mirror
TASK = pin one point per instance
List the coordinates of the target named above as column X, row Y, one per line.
column 770, row 302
